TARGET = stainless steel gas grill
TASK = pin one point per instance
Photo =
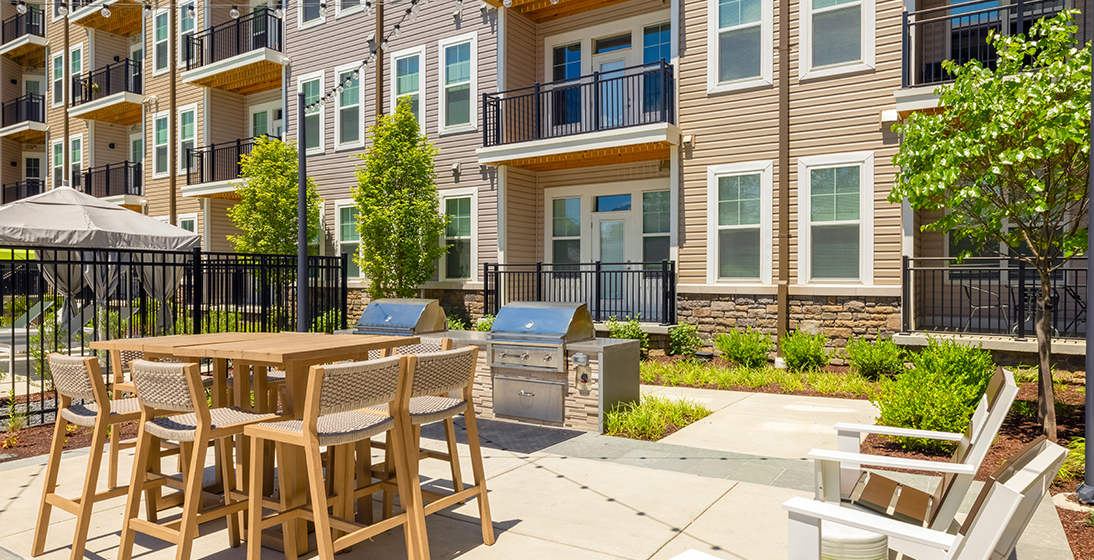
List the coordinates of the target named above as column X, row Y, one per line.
column 401, row 317
column 533, row 335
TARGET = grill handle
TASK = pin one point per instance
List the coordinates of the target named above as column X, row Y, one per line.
column 525, row 394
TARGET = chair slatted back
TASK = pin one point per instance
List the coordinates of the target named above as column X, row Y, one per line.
column 356, row 385
column 130, row 356
column 164, row 385
column 441, row 372
column 73, row 376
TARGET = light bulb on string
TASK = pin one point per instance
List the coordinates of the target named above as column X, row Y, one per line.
column 234, row 12
column 279, row 12
column 356, row 74
column 553, row 2
column 507, row 3
column 147, row 11
column 414, row 13
column 105, row 12
column 62, row 10
column 398, row 31
column 21, row 7
column 368, row 8
column 190, row 12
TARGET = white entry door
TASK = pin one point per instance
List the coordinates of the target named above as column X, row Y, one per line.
column 613, row 100
column 614, row 246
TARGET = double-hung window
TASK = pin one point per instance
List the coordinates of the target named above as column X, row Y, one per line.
column 189, row 222
column 407, row 66
column 459, row 260
column 346, row 7
column 741, row 39
column 349, row 240
column 160, row 144
column 58, row 160
column 837, row 36
column 836, row 218
column 348, row 122
column 161, row 50
column 76, row 158
column 739, row 241
column 75, row 66
column 312, row 86
column 457, row 83
column 565, row 103
column 58, row 79
column 566, row 231
column 656, row 225
column 656, row 46
column 186, row 30
column 187, row 135
column 310, row 13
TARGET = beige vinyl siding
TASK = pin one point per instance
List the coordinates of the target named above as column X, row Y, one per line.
column 523, row 217
column 13, row 151
column 521, row 51
column 99, row 149
column 106, row 47
column 602, row 174
column 227, row 116
column 220, row 225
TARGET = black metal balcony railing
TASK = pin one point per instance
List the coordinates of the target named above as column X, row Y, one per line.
column 113, row 179
column 643, row 290
column 959, row 32
column 30, row 23
column 18, row 191
column 260, row 29
column 30, row 107
column 124, row 75
column 990, row 295
column 217, row 162
column 600, row 101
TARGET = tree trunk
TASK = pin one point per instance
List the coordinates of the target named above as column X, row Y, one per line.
column 1046, row 400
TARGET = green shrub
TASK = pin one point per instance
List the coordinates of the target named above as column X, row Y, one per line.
column 882, row 357
column 939, row 393
column 485, row 323
column 1072, row 468
column 327, row 322
column 631, row 330
column 806, row 352
column 747, row 348
column 651, row 417
column 455, row 323
column 684, row 339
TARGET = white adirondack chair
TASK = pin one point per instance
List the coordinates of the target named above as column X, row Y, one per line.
column 840, row 476
column 990, row 532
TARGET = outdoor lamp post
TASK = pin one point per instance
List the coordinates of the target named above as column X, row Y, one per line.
column 1085, row 490
column 301, row 219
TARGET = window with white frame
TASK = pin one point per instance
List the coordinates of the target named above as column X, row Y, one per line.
column 457, row 83
column 160, row 144
column 656, row 226
column 189, row 222
column 741, row 35
column 58, row 160
column 161, row 50
column 566, row 231
column 75, row 62
column 58, row 79
column 346, row 7
column 312, row 86
column 407, row 66
column 837, row 36
column 459, row 237
column 310, row 12
column 186, row 30
column 349, row 239
column 349, row 119
column 739, row 241
column 76, row 158
column 187, row 135
column 836, row 218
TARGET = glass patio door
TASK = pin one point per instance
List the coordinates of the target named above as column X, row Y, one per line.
column 614, row 248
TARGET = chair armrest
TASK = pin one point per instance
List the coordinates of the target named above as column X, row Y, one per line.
column 870, row 522
column 892, row 462
column 899, row 432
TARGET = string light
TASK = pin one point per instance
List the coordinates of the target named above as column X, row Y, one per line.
column 105, row 12
column 398, row 32
column 147, row 11
column 234, row 12
column 190, row 13
column 21, row 7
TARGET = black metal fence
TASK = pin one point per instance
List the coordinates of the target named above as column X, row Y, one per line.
column 112, row 179
column 30, row 107
column 30, row 23
column 260, row 29
column 117, row 77
column 643, row 290
column 990, row 295
column 21, row 190
column 217, row 162
column 623, row 98
column 959, row 32
column 60, row 300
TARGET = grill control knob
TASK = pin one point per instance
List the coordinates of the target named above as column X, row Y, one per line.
column 547, row 358
column 524, row 356
column 503, row 355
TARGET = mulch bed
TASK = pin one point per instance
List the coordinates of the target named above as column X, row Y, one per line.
column 36, row 441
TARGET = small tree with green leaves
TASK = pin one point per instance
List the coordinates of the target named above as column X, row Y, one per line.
column 1006, row 158
column 398, row 212
column 266, row 212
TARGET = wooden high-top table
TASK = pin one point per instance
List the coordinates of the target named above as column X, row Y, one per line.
column 294, row 353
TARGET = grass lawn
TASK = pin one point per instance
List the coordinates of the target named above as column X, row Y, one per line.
column 721, row 375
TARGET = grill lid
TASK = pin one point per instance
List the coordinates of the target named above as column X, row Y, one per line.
column 401, row 316
column 542, row 321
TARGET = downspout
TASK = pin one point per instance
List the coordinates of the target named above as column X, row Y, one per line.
column 172, row 120
column 66, row 87
column 783, row 316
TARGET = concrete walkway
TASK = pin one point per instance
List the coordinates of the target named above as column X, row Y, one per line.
column 553, row 494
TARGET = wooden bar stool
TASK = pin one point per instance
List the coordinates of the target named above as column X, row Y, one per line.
column 162, row 389
column 435, row 376
column 332, row 418
column 79, row 377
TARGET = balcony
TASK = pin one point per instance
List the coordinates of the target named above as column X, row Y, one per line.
column 121, row 183
column 23, row 38
column 959, row 32
column 618, row 117
column 213, row 170
column 110, row 94
column 241, row 56
column 18, row 191
column 125, row 16
column 23, row 119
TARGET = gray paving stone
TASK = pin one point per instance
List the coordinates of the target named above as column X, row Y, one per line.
column 796, row 479
column 718, row 467
column 677, row 463
column 757, row 473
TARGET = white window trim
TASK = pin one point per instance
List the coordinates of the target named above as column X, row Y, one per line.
column 338, row 144
column 52, row 87
column 180, row 157
column 338, row 206
column 764, row 168
column 79, row 47
column 418, row 51
column 616, row 27
column 866, row 216
column 767, row 46
column 322, row 111
column 442, row 266
column 261, row 108
column 869, row 37
column 83, row 157
column 192, row 216
column 339, row 12
column 182, row 44
column 474, row 100
column 53, row 163
column 155, row 117
column 301, row 24
column 156, row 14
